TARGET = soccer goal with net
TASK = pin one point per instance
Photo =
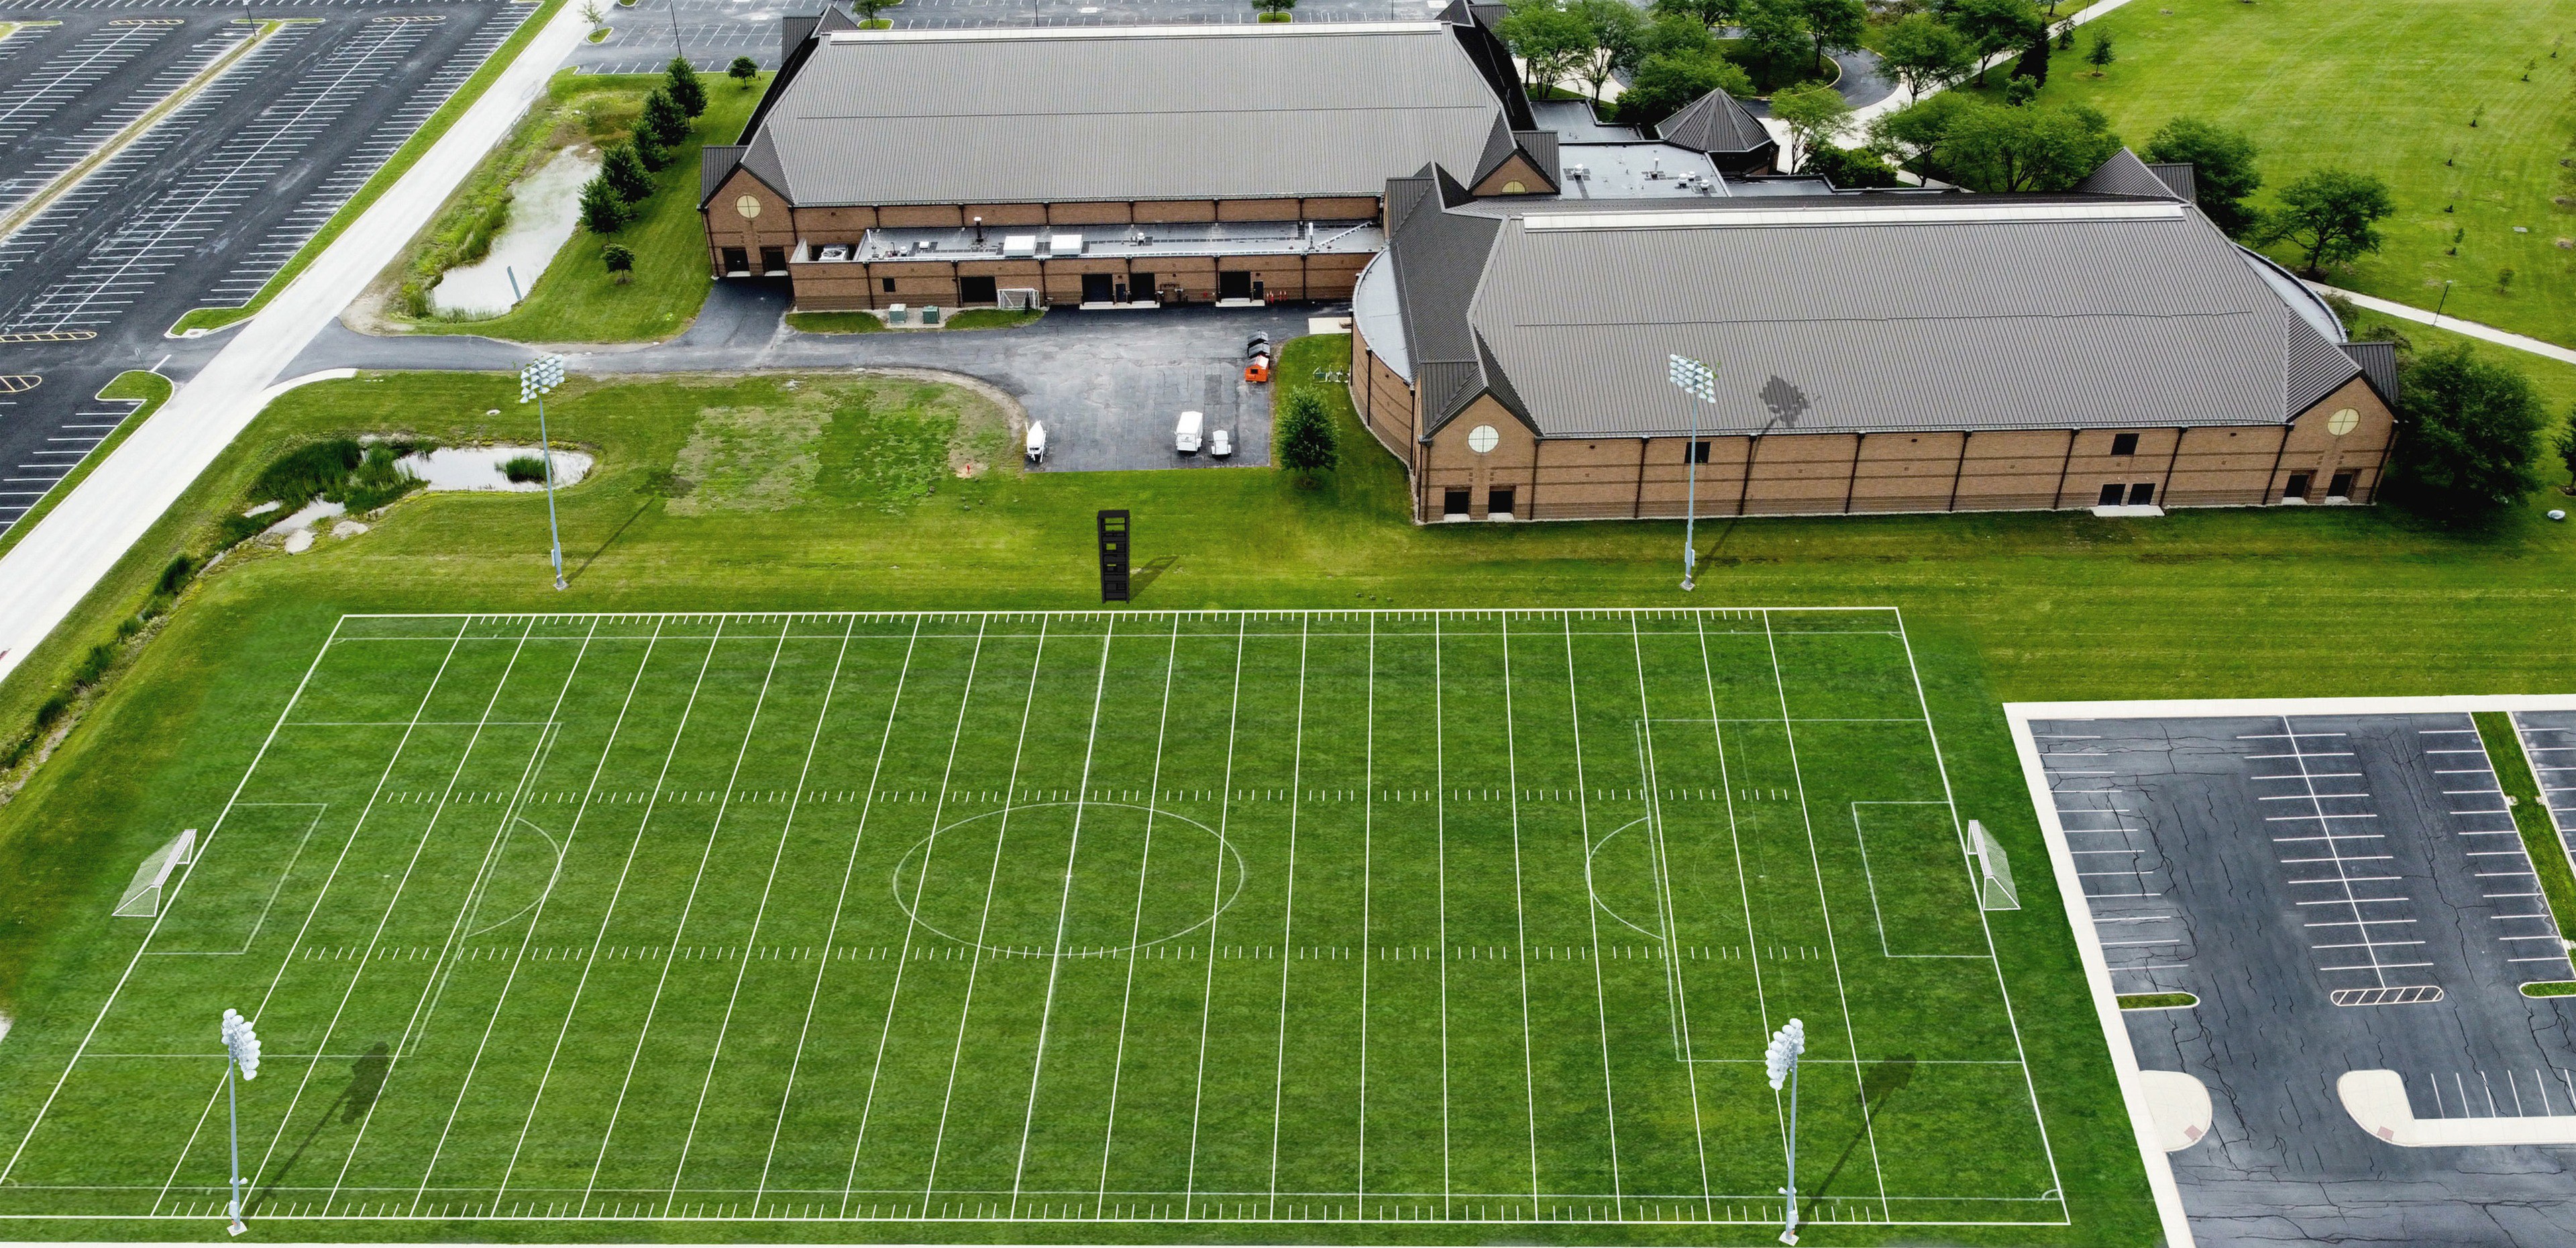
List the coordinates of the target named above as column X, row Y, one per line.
column 142, row 899
column 1994, row 871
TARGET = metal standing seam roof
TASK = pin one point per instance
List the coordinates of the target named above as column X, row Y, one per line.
column 1892, row 321
column 1123, row 113
column 1715, row 122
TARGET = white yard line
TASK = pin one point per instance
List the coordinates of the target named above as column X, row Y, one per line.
column 1288, row 914
column 1592, row 914
column 1734, row 834
column 1520, row 914
column 1677, row 999
column 65, row 554
column 984, row 923
column 1136, row 925
column 742, row 968
column 912, row 915
column 1368, row 863
column 1869, row 1127
column 1063, row 914
column 1440, row 849
column 1216, row 904
column 840, row 903
column 511, row 980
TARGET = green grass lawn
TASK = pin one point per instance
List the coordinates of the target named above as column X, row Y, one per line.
column 2387, row 90
column 734, row 494
column 403, row 159
column 578, row 300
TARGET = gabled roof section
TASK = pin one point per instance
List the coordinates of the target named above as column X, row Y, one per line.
column 1068, row 114
column 1536, row 148
column 1715, row 122
column 714, row 165
column 762, row 159
column 2378, row 362
column 2125, row 174
column 2179, row 176
column 2315, row 367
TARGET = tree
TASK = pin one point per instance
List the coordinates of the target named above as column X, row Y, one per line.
column 1306, row 444
column 1672, row 34
column 1274, row 9
column 664, row 118
column 2034, row 60
column 2566, row 448
column 1993, row 26
column 743, row 70
column 1615, row 35
column 1919, row 133
column 620, row 260
column 1666, row 82
column 2332, row 214
column 2020, row 89
column 1774, row 32
column 592, row 13
column 1848, row 168
column 868, row 9
column 2472, row 432
column 681, row 80
column 2222, row 167
column 2027, row 149
column 1926, row 54
column 602, row 211
column 1814, row 114
column 625, row 174
column 1710, row 14
column 655, row 156
column 1835, row 24
column 2099, row 56
column 1547, row 39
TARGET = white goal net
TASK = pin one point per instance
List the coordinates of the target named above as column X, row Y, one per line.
column 142, row 899
column 1994, row 872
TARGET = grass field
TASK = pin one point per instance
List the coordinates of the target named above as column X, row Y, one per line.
column 1283, row 917
column 2388, row 90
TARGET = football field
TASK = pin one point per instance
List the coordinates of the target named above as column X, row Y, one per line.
column 1082, row 918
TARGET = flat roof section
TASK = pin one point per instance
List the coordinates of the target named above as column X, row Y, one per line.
column 1637, row 171
column 1221, row 238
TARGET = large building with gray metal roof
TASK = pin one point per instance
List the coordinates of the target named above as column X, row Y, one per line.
column 1883, row 352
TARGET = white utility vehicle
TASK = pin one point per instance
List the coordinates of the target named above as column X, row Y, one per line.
column 1037, row 442
column 1185, row 439
column 1221, row 443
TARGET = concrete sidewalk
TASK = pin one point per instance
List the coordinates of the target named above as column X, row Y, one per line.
column 2489, row 333
column 57, row 564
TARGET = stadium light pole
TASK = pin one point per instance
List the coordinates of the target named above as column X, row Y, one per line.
column 1698, row 382
column 241, row 1054
column 541, row 375
column 1787, row 1044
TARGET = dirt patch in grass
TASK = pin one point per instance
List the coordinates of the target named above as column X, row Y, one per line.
column 750, row 458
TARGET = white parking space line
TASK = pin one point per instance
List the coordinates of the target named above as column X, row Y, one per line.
column 40, row 89
column 38, row 161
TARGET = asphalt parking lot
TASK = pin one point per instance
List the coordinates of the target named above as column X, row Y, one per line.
column 2549, row 740
column 205, row 207
column 2340, row 893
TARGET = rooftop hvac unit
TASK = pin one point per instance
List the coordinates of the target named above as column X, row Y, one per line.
column 836, row 252
column 1019, row 246
column 1580, row 172
column 1068, row 244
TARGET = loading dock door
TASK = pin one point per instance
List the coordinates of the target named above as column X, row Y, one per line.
column 975, row 290
column 773, row 261
column 1097, row 287
column 1233, row 285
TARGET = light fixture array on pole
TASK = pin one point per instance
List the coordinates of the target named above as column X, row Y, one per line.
column 1699, row 381
column 543, row 374
column 241, row 1057
column 1781, row 1059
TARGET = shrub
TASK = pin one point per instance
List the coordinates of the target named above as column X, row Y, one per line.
column 619, row 259
column 626, row 174
column 681, row 80
column 1306, row 442
column 523, row 469
column 176, row 575
column 663, row 116
column 602, row 211
column 1848, row 167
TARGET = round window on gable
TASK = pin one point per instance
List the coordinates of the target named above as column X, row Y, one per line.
column 1515, row 188
column 2343, row 421
column 748, row 206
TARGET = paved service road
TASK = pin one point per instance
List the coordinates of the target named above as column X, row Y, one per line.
column 1109, row 386
column 2341, row 893
column 205, row 207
